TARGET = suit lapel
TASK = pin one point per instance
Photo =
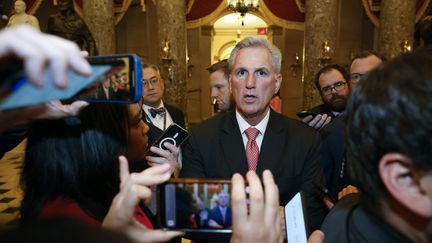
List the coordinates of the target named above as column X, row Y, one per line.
column 232, row 145
column 272, row 145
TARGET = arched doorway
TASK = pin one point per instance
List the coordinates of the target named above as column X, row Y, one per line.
column 229, row 30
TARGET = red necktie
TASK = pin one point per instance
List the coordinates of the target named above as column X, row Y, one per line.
column 252, row 151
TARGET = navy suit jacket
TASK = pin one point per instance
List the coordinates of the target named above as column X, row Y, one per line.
column 290, row 150
column 216, row 215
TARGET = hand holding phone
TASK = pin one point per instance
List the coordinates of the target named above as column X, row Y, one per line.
column 114, row 78
column 303, row 114
column 174, row 134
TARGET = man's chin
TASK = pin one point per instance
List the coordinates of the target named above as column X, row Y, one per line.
column 338, row 105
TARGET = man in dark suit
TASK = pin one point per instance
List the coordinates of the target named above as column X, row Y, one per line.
column 221, row 215
column 220, row 147
column 333, row 157
column 157, row 114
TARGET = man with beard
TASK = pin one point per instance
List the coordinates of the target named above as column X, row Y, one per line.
column 333, row 157
column 332, row 83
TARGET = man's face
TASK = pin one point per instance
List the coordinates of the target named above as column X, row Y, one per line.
column 334, row 98
column 19, row 7
column 253, row 82
column 153, row 87
column 223, row 199
column 220, row 90
column 361, row 66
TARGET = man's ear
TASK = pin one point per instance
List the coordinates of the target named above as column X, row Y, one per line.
column 404, row 183
column 278, row 79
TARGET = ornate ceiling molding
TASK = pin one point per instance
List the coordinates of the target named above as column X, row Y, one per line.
column 209, row 19
column 372, row 7
column 268, row 15
column 189, row 6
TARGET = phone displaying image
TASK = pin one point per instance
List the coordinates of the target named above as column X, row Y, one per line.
column 122, row 83
column 195, row 205
column 174, row 134
column 16, row 91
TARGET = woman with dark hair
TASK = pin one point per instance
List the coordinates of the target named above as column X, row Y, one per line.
column 71, row 167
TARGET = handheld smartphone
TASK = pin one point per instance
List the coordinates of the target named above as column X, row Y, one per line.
column 174, row 134
column 303, row 114
column 195, row 205
column 295, row 219
column 120, row 84
column 16, row 91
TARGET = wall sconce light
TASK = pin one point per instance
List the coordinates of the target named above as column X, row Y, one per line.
column 326, row 54
column 296, row 65
column 190, row 67
column 165, row 49
column 406, row 47
column 169, row 64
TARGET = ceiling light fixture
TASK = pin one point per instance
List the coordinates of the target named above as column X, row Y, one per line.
column 242, row 7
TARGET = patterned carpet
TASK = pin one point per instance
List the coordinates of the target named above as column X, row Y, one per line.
column 10, row 194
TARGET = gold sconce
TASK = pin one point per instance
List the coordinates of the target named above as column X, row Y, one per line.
column 165, row 49
column 326, row 54
column 190, row 67
column 406, row 47
column 296, row 65
column 169, row 64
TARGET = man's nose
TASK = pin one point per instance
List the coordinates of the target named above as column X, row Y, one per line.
column 250, row 81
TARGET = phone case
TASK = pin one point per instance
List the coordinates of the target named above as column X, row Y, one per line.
column 174, row 134
column 182, row 200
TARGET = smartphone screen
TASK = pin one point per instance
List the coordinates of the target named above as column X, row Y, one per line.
column 195, row 205
column 120, row 84
column 114, row 79
column 22, row 93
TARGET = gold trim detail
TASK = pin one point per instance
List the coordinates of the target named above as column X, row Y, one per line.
column 189, row 6
column 35, row 7
column 267, row 14
column 209, row 19
column 300, row 6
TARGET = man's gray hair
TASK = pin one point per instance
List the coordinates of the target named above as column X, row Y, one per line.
column 150, row 65
column 252, row 41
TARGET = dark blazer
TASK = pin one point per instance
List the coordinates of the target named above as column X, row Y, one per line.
column 349, row 221
column 333, row 156
column 322, row 109
column 290, row 150
column 216, row 215
column 176, row 114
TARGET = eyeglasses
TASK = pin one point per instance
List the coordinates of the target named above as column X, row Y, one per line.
column 152, row 81
column 327, row 90
column 356, row 77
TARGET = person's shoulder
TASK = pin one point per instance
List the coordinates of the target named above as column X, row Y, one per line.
column 338, row 216
column 173, row 107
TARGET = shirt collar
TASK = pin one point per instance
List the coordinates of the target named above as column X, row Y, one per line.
column 261, row 126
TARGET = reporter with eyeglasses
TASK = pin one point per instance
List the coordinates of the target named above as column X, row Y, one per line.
column 334, row 88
